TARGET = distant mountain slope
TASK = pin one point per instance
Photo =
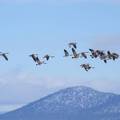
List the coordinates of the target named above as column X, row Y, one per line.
column 75, row 103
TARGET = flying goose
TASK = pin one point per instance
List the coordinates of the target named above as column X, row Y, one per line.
column 34, row 56
column 66, row 53
column 113, row 56
column 39, row 62
column 47, row 57
column 94, row 54
column 109, row 55
column 4, row 55
column 73, row 44
column 86, row 66
column 104, row 57
column 75, row 54
column 83, row 54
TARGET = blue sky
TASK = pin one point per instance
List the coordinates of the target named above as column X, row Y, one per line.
column 46, row 27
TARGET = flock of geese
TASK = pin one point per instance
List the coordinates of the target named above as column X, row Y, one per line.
column 102, row 55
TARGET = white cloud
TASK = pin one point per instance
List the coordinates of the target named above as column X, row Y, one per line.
column 19, row 87
column 107, row 42
column 7, row 108
column 112, row 86
column 29, row 83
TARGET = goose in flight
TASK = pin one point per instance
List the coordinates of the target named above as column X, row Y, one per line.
column 4, row 55
column 104, row 57
column 66, row 53
column 47, row 57
column 83, row 54
column 94, row 53
column 109, row 55
column 34, row 56
column 73, row 44
column 39, row 62
column 86, row 66
column 75, row 54
column 113, row 56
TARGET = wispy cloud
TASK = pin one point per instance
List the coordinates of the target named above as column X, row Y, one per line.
column 107, row 42
column 26, row 87
column 7, row 108
column 32, row 87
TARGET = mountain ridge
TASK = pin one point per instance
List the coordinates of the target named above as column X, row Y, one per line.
column 77, row 102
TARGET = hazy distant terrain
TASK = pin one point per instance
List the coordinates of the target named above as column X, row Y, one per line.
column 75, row 103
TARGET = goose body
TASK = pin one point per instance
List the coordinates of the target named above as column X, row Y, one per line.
column 75, row 54
column 94, row 54
column 39, row 62
column 113, row 56
column 86, row 66
column 47, row 57
column 84, row 55
column 103, row 56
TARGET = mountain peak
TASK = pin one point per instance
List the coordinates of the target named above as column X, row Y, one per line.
column 78, row 97
column 78, row 100
column 79, row 89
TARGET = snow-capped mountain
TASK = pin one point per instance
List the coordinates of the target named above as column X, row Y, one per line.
column 75, row 103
